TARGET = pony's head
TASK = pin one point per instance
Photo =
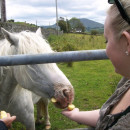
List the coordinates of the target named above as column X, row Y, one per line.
column 46, row 80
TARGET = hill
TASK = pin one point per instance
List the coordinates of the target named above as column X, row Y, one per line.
column 51, row 26
column 89, row 24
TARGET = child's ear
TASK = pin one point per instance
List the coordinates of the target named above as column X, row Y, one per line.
column 127, row 36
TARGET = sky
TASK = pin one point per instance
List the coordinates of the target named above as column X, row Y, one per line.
column 43, row 12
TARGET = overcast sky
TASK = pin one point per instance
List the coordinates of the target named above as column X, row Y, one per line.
column 44, row 11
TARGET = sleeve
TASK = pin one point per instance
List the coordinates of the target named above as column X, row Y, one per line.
column 3, row 126
column 122, row 124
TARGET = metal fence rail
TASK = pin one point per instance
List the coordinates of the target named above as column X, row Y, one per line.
column 55, row 57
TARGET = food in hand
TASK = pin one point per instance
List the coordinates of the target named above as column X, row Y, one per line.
column 3, row 114
column 53, row 100
column 71, row 107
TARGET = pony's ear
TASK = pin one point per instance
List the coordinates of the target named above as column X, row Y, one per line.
column 39, row 32
column 10, row 37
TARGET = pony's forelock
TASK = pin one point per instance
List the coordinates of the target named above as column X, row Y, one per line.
column 31, row 43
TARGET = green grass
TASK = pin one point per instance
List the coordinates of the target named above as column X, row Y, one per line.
column 70, row 42
column 93, row 85
column 93, row 81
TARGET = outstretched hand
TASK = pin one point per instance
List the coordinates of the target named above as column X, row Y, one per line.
column 70, row 114
column 8, row 120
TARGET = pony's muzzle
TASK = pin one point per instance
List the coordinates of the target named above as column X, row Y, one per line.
column 64, row 98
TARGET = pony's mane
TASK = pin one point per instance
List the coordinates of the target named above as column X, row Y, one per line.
column 29, row 43
column 32, row 43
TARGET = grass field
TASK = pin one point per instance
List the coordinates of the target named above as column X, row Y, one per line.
column 93, row 81
column 70, row 42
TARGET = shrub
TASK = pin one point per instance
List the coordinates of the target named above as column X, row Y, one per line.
column 94, row 32
column 11, row 20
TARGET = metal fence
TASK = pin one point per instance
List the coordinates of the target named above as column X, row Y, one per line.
column 55, row 57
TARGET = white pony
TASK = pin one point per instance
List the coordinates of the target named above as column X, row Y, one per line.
column 22, row 86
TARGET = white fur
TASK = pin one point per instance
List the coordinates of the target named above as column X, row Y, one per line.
column 20, row 85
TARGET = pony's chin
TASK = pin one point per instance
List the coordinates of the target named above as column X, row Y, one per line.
column 61, row 106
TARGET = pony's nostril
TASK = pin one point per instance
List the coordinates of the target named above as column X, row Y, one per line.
column 65, row 93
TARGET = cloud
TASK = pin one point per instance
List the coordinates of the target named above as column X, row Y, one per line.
column 44, row 11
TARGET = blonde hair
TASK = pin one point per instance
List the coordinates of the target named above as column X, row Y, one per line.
column 117, row 23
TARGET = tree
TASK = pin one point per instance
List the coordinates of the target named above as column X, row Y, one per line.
column 94, row 32
column 64, row 25
column 76, row 25
column 3, row 10
column 11, row 20
column 68, row 25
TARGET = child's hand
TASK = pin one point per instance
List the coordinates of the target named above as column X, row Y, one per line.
column 70, row 114
column 8, row 120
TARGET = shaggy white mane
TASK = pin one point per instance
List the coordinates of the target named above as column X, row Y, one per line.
column 29, row 43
